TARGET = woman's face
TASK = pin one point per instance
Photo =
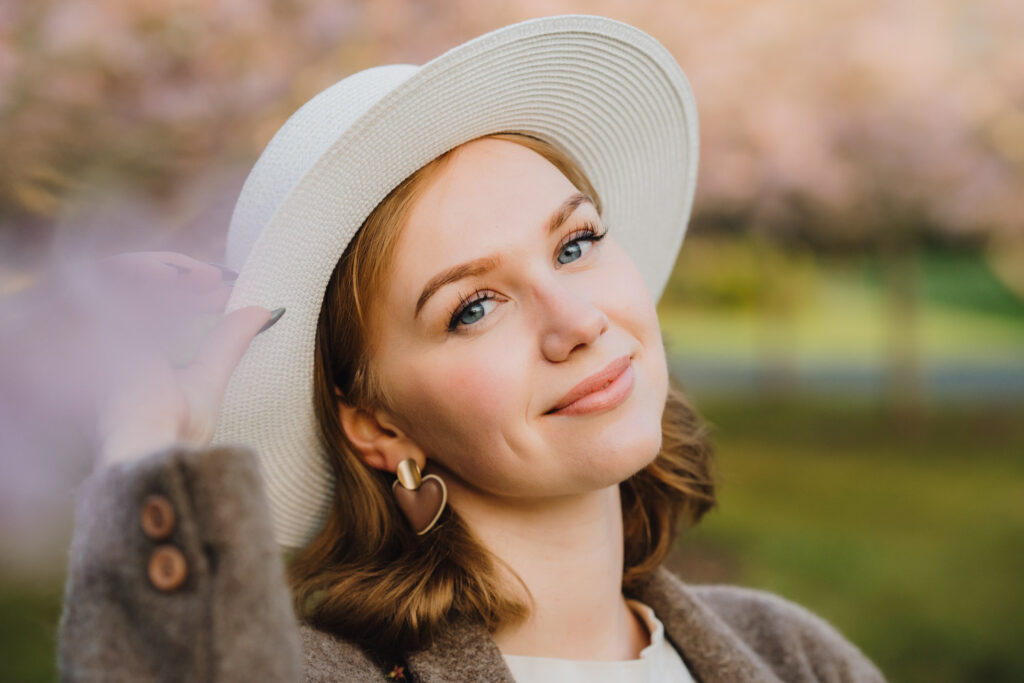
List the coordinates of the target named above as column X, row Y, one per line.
column 476, row 360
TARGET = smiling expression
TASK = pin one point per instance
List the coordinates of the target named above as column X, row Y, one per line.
column 508, row 293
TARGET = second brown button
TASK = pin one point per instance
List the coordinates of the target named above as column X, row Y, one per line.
column 167, row 568
column 157, row 517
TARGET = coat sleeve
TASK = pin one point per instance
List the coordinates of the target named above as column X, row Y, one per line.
column 174, row 574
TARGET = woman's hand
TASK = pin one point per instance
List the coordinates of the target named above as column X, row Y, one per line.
column 151, row 395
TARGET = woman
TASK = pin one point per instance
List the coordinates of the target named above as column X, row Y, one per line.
column 464, row 423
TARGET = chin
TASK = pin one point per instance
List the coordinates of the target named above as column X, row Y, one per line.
column 627, row 452
column 644, row 453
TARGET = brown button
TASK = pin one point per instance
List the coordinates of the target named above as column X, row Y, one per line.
column 167, row 568
column 157, row 517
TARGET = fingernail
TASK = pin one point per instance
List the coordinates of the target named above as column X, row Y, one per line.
column 275, row 315
column 226, row 274
column 180, row 269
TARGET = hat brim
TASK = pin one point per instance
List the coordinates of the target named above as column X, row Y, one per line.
column 606, row 93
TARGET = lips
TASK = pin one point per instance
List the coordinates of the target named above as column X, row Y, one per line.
column 599, row 380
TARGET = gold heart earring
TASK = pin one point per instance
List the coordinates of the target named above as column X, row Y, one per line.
column 421, row 499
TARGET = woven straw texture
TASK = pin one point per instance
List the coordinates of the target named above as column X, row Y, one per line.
column 607, row 93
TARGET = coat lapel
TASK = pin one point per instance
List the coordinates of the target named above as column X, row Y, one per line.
column 463, row 652
column 712, row 651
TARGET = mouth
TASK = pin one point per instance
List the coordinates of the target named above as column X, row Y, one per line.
column 601, row 391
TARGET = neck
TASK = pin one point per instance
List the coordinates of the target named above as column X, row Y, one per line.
column 569, row 553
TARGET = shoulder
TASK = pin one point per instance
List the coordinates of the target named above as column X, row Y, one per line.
column 767, row 618
column 327, row 657
column 793, row 641
column 763, row 614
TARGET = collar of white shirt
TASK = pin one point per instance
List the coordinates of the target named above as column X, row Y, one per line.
column 659, row 661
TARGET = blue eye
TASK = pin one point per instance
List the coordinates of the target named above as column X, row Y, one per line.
column 474, row 310
column 480, row 303
column 571, row 252
column 573, row 248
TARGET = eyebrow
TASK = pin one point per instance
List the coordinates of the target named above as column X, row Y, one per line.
column 486, row 264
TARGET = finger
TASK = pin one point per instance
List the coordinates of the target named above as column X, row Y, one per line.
column 220, row 353
column 190, row 266
column 181, row 324
column 165, row 268
column 214, row 300
column 179, row 304
column 136, row 279
column 133, row 269
column 161, row 314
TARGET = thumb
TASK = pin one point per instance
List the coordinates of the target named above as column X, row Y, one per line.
column 224, row 347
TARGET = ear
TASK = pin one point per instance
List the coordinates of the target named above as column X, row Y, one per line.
column 379, row 441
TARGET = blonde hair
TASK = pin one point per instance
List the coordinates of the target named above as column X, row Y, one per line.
column 366, row 576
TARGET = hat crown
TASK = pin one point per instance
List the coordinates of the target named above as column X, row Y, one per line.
column 303, row 139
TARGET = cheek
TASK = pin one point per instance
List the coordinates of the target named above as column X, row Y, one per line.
column 631, row 301
column 458, row 400
column 636, row 312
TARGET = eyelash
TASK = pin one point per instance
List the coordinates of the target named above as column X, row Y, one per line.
column 587, row 233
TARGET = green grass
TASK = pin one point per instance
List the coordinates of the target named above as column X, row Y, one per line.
column 910, row 539
column 29, row 611
column 738, row 300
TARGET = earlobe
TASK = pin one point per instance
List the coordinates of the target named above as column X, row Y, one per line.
column 376, row 461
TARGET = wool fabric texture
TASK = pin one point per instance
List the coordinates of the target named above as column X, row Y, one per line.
column 608, row 94
column 231, row 620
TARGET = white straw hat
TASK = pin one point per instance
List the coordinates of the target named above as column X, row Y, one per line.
column 606, row 93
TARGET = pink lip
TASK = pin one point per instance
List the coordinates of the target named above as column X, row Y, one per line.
column 591, row 395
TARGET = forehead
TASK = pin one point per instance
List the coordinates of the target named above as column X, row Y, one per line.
column 490, row 196
column 494, row 179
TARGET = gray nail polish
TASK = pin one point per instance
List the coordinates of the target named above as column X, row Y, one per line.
column 275, row 315
column 226, row 274
column 180, row 269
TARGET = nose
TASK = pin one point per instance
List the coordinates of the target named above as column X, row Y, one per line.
column 570, row 319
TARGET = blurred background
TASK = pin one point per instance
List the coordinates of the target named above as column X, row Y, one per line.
column 847, row 310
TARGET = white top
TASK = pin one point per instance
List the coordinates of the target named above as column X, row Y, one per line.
column 659, row 662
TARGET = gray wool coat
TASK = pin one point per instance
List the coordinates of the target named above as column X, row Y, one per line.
column 191, row 588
